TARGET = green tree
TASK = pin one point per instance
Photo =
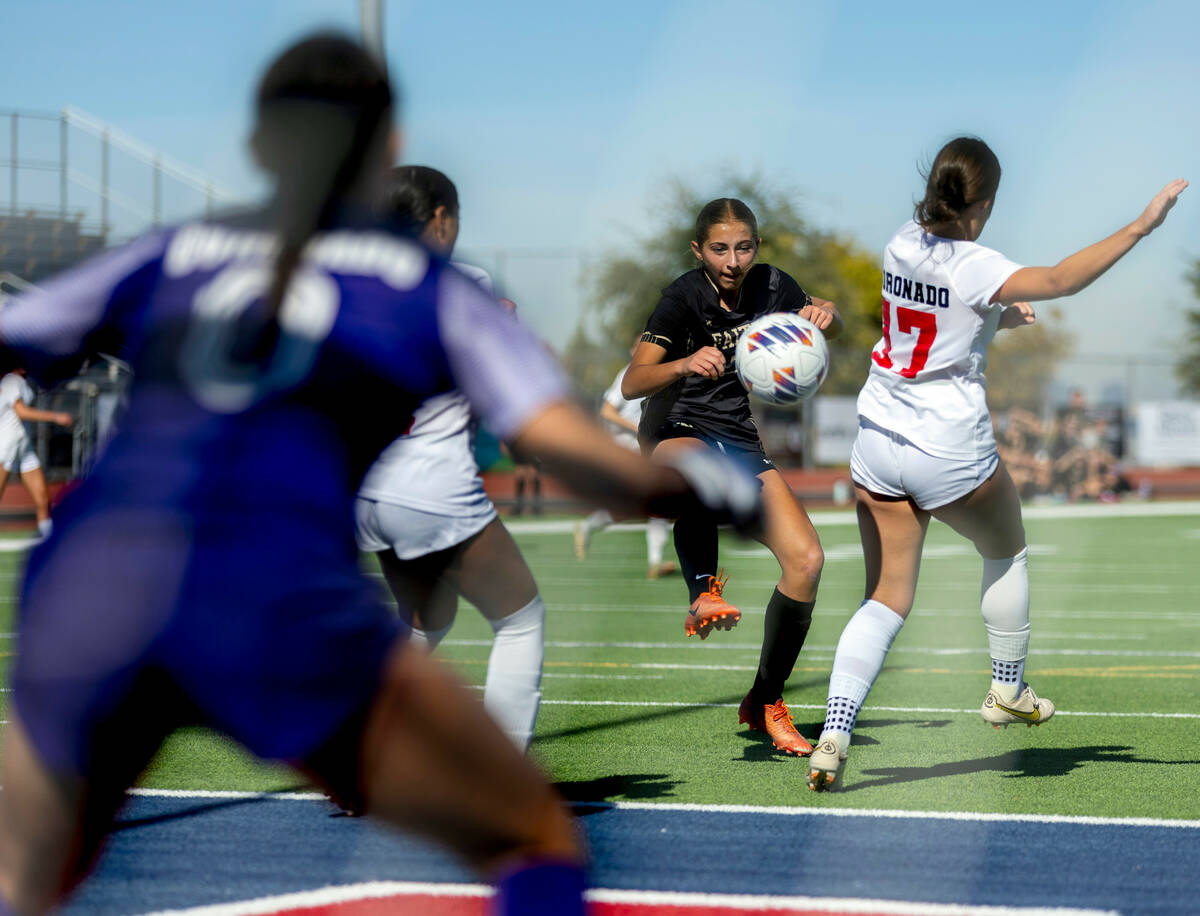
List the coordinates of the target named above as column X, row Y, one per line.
column 1187, row 369
column 626, row 287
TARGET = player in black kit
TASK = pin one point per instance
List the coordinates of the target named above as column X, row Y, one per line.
column 684, row 367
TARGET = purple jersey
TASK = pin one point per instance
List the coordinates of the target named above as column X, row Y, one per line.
column 213, row 543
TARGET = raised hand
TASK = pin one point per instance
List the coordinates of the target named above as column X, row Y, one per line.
column 1156, row 210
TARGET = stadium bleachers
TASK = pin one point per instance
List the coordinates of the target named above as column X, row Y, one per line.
column 34, row 245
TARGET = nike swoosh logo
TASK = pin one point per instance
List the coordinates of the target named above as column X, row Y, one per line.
column 1034, row 716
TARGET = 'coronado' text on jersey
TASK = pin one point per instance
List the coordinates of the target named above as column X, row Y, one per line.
column 903, row 288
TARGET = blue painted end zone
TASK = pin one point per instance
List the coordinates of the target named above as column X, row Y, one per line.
column 172, row 853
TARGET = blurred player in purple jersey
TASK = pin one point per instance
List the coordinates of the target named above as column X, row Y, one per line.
column 206, row 572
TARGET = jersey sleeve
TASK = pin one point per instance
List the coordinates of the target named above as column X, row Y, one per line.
column 506, row 373
column 86, row 306
column 791, row 297
column 978, row 273
column 667, row 325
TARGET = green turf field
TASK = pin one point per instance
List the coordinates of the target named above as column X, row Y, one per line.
column 634, row 711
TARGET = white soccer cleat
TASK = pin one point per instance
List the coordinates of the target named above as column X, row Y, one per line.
column 1028, row 708
column 824, row 764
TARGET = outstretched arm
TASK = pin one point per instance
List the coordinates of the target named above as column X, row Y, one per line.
column 613, row 416
column 1079, row 270
column 33, row 415
column 591, row 463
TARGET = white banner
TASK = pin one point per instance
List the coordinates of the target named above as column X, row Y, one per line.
column 835, row 420
column 1166, row 433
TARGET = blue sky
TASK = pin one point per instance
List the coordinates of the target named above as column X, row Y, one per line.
column 560, row 122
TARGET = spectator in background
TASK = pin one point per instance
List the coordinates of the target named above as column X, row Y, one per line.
column 16, row 451
column 1020, row 442
column 622, row 417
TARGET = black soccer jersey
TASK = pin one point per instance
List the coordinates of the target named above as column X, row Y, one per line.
column 689, row 316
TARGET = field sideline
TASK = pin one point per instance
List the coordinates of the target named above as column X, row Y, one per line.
column 639, row 729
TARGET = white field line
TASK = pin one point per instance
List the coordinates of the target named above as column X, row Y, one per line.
column 924, row 710
column 331, row 896
column 606, row 677
column 901, row 650
column 784, row 810
column 848, row 517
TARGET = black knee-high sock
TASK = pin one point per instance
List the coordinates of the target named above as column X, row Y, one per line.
column 695, row 538
column 784, row 631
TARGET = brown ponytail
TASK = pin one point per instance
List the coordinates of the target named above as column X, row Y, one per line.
column 965, row 171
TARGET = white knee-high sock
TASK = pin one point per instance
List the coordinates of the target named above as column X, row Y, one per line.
column 856, row 664
column 514, row 675
column 1004, row 603
column 428, row 639
column 657, row 532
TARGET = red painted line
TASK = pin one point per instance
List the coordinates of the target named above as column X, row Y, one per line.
column 429, row 905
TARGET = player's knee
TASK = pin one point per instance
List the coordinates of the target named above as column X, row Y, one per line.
column 802, row 562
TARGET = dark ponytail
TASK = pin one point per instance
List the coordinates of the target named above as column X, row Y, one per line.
column 723, row 210
column 323, row 109
column 965, row 171
column 413, row 193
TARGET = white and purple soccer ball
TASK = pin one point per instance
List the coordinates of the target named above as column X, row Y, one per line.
column 782, row 358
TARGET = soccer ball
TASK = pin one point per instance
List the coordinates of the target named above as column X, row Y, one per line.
column 782, row 358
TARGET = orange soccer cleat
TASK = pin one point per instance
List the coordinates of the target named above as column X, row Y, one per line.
column 711, row 610
column 776, row 721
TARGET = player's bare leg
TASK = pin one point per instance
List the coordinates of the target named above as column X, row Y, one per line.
column 432, row 761
column 893, row 534
column 790, row 536
column 489, row 571
column 39, row 492
column 52, row 825
column 40, row 836
column 991, row 518
column 424, row 600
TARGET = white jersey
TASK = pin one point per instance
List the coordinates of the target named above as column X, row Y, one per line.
column 437, row 453
column 926, row 381
column 13, row 388
column 629, row 410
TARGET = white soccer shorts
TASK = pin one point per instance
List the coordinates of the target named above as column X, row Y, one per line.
column 411, row 532
column 888, row 464
column 18, row 454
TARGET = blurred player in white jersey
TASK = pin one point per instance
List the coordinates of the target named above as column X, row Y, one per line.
column 16, row 451
column 925, row 446
column 623, row 417
column 442, row 538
